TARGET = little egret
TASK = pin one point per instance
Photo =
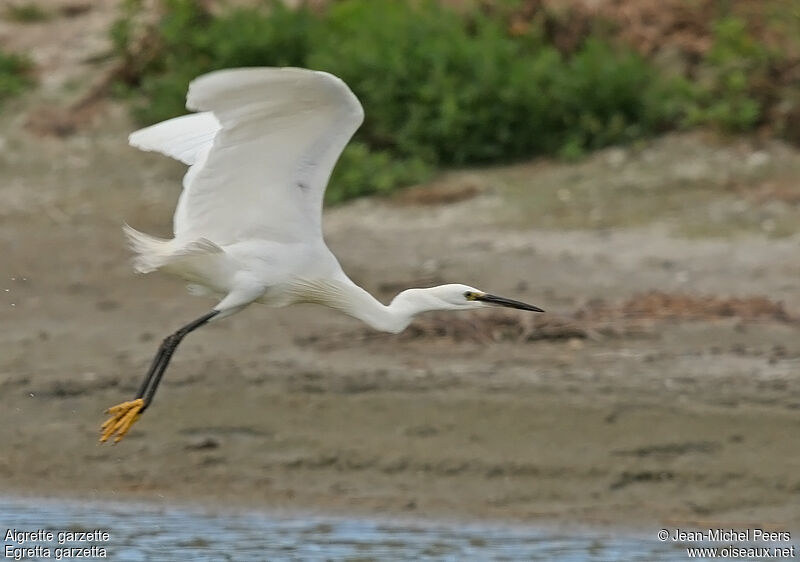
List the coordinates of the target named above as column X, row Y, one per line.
column 248, row 224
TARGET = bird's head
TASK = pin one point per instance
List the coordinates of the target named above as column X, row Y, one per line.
column 464, row 297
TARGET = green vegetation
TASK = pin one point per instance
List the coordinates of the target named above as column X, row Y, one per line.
column 26, row 12
column 14, row 75
column 724, row 94
column 364, row 171
column 442, row 88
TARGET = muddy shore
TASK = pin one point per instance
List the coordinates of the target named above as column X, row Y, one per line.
column 634, row 417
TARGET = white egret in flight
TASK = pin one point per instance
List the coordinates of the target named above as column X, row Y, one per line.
column 248, row 224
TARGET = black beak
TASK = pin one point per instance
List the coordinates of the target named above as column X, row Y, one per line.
column 500, row 301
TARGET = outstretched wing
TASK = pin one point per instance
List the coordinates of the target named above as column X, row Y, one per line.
column 261, row 153
column 186, row 138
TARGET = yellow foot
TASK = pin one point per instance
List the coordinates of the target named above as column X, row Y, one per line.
column 122, row 418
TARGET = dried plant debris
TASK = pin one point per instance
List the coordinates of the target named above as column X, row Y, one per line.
column 651, row 26
column 657, row 305
column 498, row 326
column 479, row 327
column 598, row 319
column 442, row 192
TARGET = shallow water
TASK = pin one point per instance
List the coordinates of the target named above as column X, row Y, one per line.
column 148, row 532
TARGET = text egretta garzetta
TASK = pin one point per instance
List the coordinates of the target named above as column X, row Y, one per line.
column 248, row 224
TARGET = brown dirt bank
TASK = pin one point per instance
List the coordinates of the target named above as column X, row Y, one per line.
column 688, row 417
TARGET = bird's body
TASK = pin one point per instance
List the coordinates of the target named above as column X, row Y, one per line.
column 266, row 271
column 248, row 224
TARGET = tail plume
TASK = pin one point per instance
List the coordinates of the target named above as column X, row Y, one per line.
column 151, row 252
column 154, row 253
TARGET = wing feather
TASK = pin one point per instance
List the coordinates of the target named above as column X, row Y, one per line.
column 265, row 174
column 182, row 138
column 260, row 152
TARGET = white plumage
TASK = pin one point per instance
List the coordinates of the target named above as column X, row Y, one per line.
column 248, row 224
column 260, row 156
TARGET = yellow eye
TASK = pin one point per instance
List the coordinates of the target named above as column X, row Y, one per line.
column 470, row 296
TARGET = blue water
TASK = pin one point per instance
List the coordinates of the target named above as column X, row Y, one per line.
column 148, row 532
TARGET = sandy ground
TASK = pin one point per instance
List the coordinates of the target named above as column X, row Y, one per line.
column 623, row 412
column 660, row 418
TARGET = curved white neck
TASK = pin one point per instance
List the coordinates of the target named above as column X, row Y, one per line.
column 355, row 301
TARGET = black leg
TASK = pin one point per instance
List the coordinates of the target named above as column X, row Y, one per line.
column 160, row 362
column 124, row 415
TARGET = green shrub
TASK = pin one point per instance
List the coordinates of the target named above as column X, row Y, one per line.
column 26, row 12
column 455, row 92
column 607, row 97
column 14, row 75
column 438, row 87
column 364, row 171
column 192, row 43
column 429, row 87
column 724, row 93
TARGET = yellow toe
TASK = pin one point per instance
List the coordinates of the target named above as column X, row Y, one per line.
column 123, row 416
